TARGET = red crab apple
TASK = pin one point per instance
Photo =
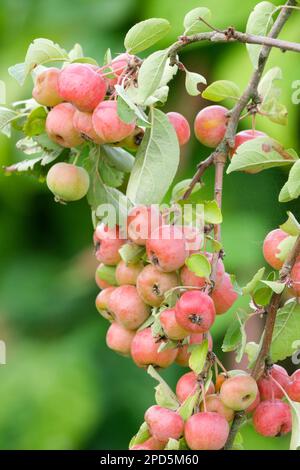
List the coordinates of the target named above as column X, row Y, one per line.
column 293, row 386
column 128, row 308
column 107, row 242
column 102, row 302
column 127, row 273
column 166, row 248
column 45, row 89
column 60, row 128
column 239, row 392
column 183, row 355
column 254, row 405
column 105, row 276
column 153, row 284
column 272, row 418
column 164, row 424
column 119, row 339
column 82, row 86
column 118, row 67
column 181, row 126
column 210, row 125
column 187, row 385
column 268, row 389
column 244, row 136
column 68, row 182
column 149, row 444
column 188, row 278
column 295, row 278
column 107, row 124
column 195, row 311
column 270, row 247
column 170, row 326
column 206, row 431
column 214, row 403
column 141, row 221
column 144, row 351
column 193, row 239
column 82, row 122
column 224, row 295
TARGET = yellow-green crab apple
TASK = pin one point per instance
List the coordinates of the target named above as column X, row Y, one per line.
column 141, row 221
column 170, row 326
column 68, row 182
column 293, row 386
column 206, row 431
column 181, row 126
column 60, row 128
column 166, row 248
column 239, row 392
column 82, row 122
column 153, row 284
column 164, row 424
column 272, row 418
column 270, row 247
column 224, row 295
column 119, row 339
column 108, row 125
column 195, row 311
column 210, row 125
column 45, row 90
column 268, row 388
column 127, row 273
column 214, row 403
column 144, row 350
column 107, row 243
column 187, row 386
column 184, row 354
column 102, row 303
column 128, row 308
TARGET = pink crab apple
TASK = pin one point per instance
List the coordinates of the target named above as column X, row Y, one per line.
column 244, row 136
column 68, row 182
column 127, row 273
column 170, row 326
column 187, row 385
column 45, row 90
column 119, row 339
column 210, row 125
column 144, row 351
column 118, row 67
column 181, row 126
column 82, row 122
column 195, row 311
column 193, row 239
column 133, row 141
column 105, row 276
column 254, row 405
column 239, row 392
column 141, row 221
column 153, row 284
column 295, row 278
column 183, row 355
column 166, row 248
column 206, row 431
column 293, row 386
column 214, row 403
column 268, row 389
column 107, row 243
column 272, row 418
column 82, row 86
column 128, row 308
column 270, row 247
column 150, row 444
column 164, row 424
column 60, row 128
column 107, row 124
column 190, row 279
column 102, row 302
column 224, row 295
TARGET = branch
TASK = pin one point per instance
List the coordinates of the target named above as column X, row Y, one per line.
column 238, row 421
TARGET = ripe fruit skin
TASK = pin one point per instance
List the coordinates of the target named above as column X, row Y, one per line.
column 128, row 273
column 295, row 278
column 119, row 339
column 166, row 248
column 102, row 302
column 128, row 308
column 101, row 283
column 181, row 126
column 270, row 247
column 118, row 65
column 107, row 243
column 82, row 122
column 188, row 278
column 144, row 351
column 224, row 295
column 206, row 431
column 183, row 355
column 195, row 311
column 59, row 126
column 170, row 326
column 193, row 239
column 68, row 182
column 239, row 392
column 293, row 387
column 244, row 136
column 141, row 221
column 214, row 403
column 82, row 86
column 107, row 124
column 272, row 418
column 268, row 389
column 133, row 141
column 45, row 89
column 254, row 405
column 210, row 125
column 153, row 284
column 164, row 423
column 187, row 385
column 105, row 276
column 150, row 444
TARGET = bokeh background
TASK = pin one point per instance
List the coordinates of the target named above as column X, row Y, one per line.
column 62, row 388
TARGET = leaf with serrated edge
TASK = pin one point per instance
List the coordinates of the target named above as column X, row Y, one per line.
column 286, row 331
column 220, row 90
column 144, row 34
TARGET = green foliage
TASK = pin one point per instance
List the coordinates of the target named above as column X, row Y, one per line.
column 291, row 189
column 192, row 80
column 220, row 90
column 198, row 357
column 291, row 226
column 286, row 331
column 192, row 20
column 144, row 34
column 259, row 23
column 199, row 265
column 235, row 338
column 164, row 396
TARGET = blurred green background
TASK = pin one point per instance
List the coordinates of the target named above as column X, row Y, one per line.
column 62, row 388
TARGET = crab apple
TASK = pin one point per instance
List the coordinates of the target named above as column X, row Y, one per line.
column 166, row 248
column 190, row 279
column 107, row 243
column 254, row 405
column 244, row 136
column 118, row 66
column 144, row 351
column 206, row 431
column 295, row 278
column 187, row 385
column 268, row 389
column 272, row 418
column 153, row 284
column 183, row 355
column 164, row 424
column 224, row 295
column 293, row 386
column 270, row 247
column 170, row 326
column 82, row 122
column 45, row 89
column 127, row 273
column 60, row 128
column 119, row 339
column 195, row 311
column 82, row 86
column 214, row 403
column 101, row 283
column 133, row 141
column 105, row 276
column 128, row 308
column 210, row 125
column 181, row 126
column 68, row 182
column 239, row 392
column 107, row 124
column 141, row 221
column 102, row 302
column 193, row 239
column 150, row 444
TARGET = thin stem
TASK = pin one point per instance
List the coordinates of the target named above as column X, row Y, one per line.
column 238, row 420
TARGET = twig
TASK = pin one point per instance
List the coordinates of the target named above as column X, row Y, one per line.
column 238, row 421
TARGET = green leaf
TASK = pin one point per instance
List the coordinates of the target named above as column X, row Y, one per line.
column 220, row 90
column 293, row 182
column 164, row 396
column 156, row 162
column 251, row 285
column 187, row 407
column 169, row 73
column 259, row 23
column 216, row 245
column 76, row 52
column 124, row 112
column 198, row 357
column 159, row 96
column 135, row 110
column 150, row 74
column 110, row 176
column 131, row 253
column 192, row 81
column 146, row 33
column 192, row 22
column 6, row 117
column 107, row 273
column 284, row 195
column 35, row 123
column 235, row 333
column 286, row 331
column 291, row 226
column 18, row 72
column 86, row 60
column 277, row 287
column 181, row 187
column 295, row 437
column 2, row 92
column 270, row 93
column 285, row 247
column 252, row 350
column 259, row 154
column 262, row 296
column 142, row 435
column 212, row 212
column 118, row 157
column 199, row 265
column 172, row 444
